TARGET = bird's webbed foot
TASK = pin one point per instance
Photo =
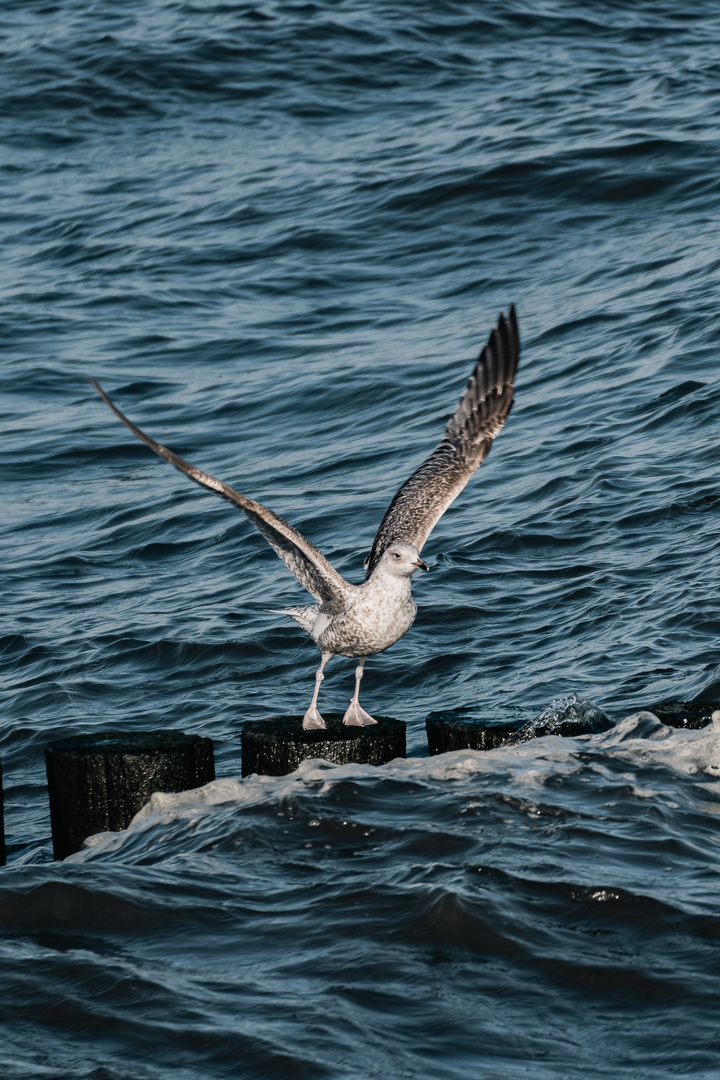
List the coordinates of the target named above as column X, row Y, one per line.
column 313, row 720
column 357, row 717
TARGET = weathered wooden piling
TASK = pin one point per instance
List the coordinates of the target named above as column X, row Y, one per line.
column 485, row 728
column 2, row 823
column 685, row 714
column 448, row 731
column 276, row 746
column 97, row 783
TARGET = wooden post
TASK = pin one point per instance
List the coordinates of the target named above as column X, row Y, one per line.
column 276, row 746
column 2, row 824
column 484, row 728
column 685, row 714
column 451, row 730
column 97, row 783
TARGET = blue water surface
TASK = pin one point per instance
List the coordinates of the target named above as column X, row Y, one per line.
column 279, row 234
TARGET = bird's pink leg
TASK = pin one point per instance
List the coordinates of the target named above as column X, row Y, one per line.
column 312, row 718
column 356, row 716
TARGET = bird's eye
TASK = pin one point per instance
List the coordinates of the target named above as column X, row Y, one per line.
column 396, row 554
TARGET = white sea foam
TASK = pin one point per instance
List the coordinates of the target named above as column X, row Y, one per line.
column 638, row 741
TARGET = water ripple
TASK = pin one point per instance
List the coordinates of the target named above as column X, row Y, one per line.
column 279, row 234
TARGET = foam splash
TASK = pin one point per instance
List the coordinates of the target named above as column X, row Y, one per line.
column 636, row 742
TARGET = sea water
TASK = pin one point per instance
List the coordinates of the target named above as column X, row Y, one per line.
column 278, row 234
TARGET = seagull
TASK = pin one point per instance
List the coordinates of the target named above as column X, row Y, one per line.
column 358, row 621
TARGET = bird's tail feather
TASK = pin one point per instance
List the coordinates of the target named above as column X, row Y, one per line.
column 305, row 616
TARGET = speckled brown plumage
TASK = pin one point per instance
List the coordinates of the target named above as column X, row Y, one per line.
column 479, row 418
column 361, row 620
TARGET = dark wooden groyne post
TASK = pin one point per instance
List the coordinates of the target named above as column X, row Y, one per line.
column 466, row 728
column 446, row 731
column 276, row 746
column 686, row 714
column 2, row 823
column 97, row 783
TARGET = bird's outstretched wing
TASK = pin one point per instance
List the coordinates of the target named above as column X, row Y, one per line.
column 302, row 558
column 478, row 419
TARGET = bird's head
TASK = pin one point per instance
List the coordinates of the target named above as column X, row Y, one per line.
column 402, row 560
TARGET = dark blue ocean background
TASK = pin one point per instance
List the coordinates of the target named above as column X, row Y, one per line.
column 279, row 234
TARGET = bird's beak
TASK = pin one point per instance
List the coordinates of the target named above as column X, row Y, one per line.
column 421, row 564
